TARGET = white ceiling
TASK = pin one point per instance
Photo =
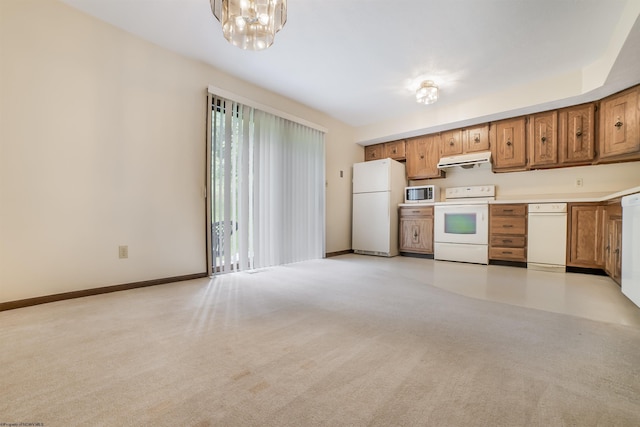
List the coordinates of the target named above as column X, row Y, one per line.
column 354, row 59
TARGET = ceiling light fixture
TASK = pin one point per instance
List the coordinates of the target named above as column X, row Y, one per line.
column 250, row 24
column 427, row 93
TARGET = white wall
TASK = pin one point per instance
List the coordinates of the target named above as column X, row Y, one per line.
column 102, row 143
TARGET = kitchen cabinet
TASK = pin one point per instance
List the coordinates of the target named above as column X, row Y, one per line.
column 508, row 145
column 423, row 154
column 475, row 139
column 543, row 139
column 576, row 134
column 451, row 143
column 463, row 141
column 508, row 232
column 395, row 150
column 619, row 126
column 586, row 228
column 613, row 241
column 416, row 230
column 374, row 152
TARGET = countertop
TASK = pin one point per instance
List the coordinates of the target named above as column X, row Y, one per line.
column 550, row 198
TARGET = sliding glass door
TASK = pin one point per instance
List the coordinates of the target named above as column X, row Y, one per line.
column 266, row 188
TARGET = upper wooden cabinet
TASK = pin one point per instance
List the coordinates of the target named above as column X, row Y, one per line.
column 508, row 145
column 475, row 139
column 576, row 134
column 374, row 152
column 619, row 126
column 451, row 143
column 423, row 154
column 395, row 150
column 462, row 141
column 543, row 139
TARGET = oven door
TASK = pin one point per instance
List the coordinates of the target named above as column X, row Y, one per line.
column 467, row 224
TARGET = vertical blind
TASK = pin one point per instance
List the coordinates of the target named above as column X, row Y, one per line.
column 267, row 188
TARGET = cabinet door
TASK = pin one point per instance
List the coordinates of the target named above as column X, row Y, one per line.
column 422, row 157
column 374, row 152
column 619, row 134
column 451, row 143
column 576, row 129
column 509, row 150
column 585, row 235
column 395, row 150
column 475, row 139
column 613, row 248
column 416, row 235
column 543, row 139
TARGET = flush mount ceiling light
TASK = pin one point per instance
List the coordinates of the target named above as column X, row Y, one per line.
column 250, row 24
column 427, row 93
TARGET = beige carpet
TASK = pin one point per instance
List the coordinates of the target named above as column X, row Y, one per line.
column 316, row 343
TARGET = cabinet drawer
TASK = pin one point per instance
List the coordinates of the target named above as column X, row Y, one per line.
column 509, row 254
column 508, row 225
column 420, row 211
column 505, row 241
column 508, row 210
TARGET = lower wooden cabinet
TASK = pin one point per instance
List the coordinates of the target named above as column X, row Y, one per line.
column 416, row 229
column 613, row 241
column 586, row 228
column 508, row 232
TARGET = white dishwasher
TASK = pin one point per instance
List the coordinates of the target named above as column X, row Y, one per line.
column 547, row 237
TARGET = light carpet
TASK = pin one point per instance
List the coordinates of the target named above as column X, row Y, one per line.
column 319, row 343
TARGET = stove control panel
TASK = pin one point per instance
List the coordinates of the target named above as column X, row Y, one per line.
column 471, row 192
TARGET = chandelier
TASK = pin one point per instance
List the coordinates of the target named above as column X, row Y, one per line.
column 250, row 24
column 427, row 93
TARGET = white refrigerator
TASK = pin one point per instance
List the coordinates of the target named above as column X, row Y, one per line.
column 378, row 188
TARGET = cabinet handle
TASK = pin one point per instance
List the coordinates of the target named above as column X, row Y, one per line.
column 393, row 151
column 543, row 139
column 507, row 241
column 507, row 252
column 415, row 211
column 507, row 210
column 508, row 143
column 476, row 139
column 421, row 156
column 451, row 142
column 507, row 225
column 579, row 133
column 618, row 123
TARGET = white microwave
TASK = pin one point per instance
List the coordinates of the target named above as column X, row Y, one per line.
column 422, row 194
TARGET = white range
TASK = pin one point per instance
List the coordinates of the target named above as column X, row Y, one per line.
column 461, row 224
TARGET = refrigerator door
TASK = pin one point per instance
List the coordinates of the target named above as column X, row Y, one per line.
column 371, row 231
column 371, row 176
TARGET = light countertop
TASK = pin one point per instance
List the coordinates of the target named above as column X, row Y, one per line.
column 550, row 198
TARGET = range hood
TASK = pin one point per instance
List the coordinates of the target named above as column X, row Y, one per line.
column 465, row 160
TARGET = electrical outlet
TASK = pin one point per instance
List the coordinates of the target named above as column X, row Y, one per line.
column 579, row 182
column 123, row 252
